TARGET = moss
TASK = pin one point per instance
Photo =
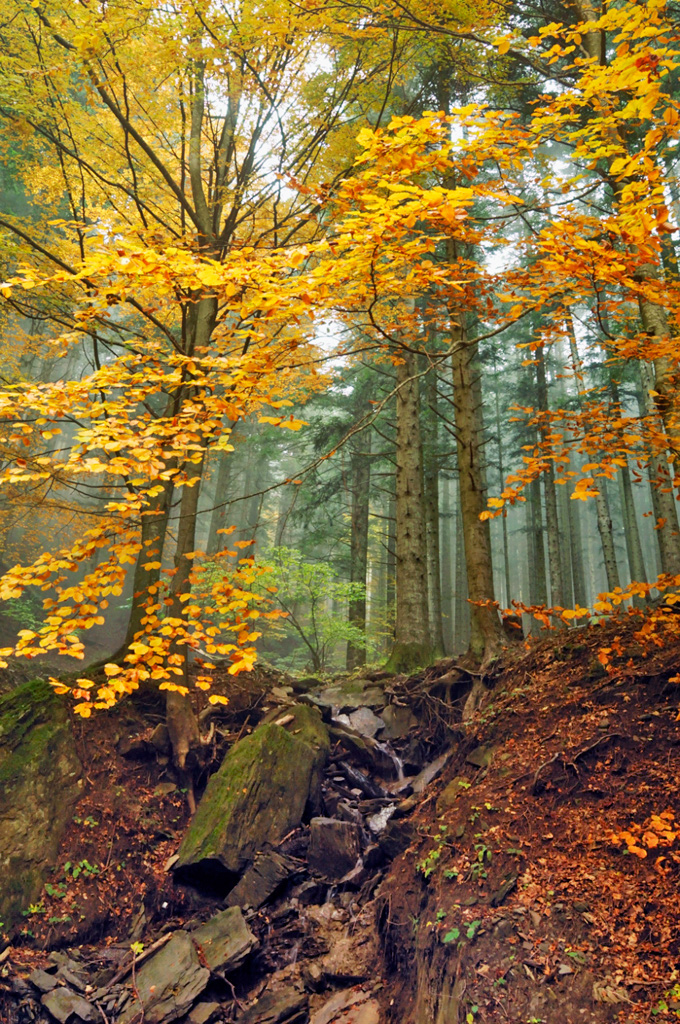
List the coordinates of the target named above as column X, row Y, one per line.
column 32, row 720
column 409, row 657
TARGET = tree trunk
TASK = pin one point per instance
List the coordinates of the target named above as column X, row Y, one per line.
column 446, row 551
column 431, row 487
column 485, row 623
column 461, row 617
column 360, row 482
column 411, row 649
column 551, row 518
column 663, row 500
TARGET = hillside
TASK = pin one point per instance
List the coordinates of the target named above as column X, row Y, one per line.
column 524, row 868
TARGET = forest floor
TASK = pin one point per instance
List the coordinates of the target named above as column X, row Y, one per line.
column 540, row 879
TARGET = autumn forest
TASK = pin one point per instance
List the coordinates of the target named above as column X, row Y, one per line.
column 340, row 358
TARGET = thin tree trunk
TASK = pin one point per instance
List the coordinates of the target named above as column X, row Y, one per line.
column 551, row 518
column 446, row 550
column 431, row 497
column 538, row 584
column 411, row 647
column 461, row 606
column 360, row 477
column 636, row 562
column 218, row 519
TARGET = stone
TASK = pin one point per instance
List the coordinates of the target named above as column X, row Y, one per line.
column 165, row 789
column 134, row 748
column 449, row 795
column 64, row 1005
column 334, row 847
column 160, row 739
column 43, row 981
column 40, row 782
column 202, row 1012
column 261, row 880
column 337, row 1008
column 365, row 722
column 398, row 721
column 225, row 941
column 285, row 1007
column 398, row 835
column 350, row 695
column 167, row 984
column 256, row 798
column 430, row 772
column 306, row 684
column 480, row 757
column 504, row 890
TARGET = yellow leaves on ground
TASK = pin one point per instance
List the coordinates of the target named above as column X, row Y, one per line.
column 659, row 831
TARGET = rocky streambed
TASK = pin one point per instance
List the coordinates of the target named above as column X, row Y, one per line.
column 286, row 854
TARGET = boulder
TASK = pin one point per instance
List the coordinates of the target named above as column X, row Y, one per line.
column 167, row 984
column 430, row 772
column 256, row 798
column 261, row 880
column 334, row 847
column 225, row 941
column 39, row 785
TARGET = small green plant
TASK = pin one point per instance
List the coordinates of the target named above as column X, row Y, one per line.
column 663, row 1006
column 57, row 891
column 89, row 821
column 440, row 915
column 137, row 948
column 64, row 919
column 429, row 862
column 83, row 868
column 471, row 1014
column 451, row 873
column 472, row 929
column 35, row 908
column 483, row 856
column 451, row 936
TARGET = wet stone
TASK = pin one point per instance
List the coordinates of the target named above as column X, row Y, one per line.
column 202, row 1012
column 334, row 847
column 168, row 983
column 398, row 721
column 430, row 772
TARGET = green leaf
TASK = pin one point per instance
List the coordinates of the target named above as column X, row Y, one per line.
column 451, row 936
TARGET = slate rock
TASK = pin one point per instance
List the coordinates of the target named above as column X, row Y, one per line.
column 63, row 1005
column 449, row 795
column 202, row 1012
column 225, row 940
column 43, row 981
column 255, row 799
column 365, row 722
column 338, row 1007
column 168, row 983
column 334, row 847
column 397, row 721
column 284, row 1007
column 398, row 835
column 430, row 772
column 261, row 880
column 134, row 748
column 480, row 757
column 40, row 782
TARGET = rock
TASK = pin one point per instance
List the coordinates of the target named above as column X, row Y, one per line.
column 261, row 880
column 398, row 835
column 167, row 984
column 202, row 1012
column 311, row 892
column 480, row 757
column 337, row 1009
column 64, row 1005
column 351, row 694
column 378, row 821
column 43, row 981
column 334, row 847
column 225, row 941
column 165, row 789
column 398, row 721
column 306, row 684
column 324, row 709
column 39, row 785
column 286, row 1007
column 256, row 798
column 160, row 739
column 134, row 748
column 504, row 890
column 449, row 795
column 365, row 722
column 430, row 772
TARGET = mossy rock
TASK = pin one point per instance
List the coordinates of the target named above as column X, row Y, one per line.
column 39, row 785
column 258, row 795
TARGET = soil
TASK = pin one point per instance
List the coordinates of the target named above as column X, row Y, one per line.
column 517, row 898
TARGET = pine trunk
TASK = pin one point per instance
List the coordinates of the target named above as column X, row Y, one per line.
column 360, row 477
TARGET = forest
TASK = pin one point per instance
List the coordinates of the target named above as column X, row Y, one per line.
column 339, row 538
